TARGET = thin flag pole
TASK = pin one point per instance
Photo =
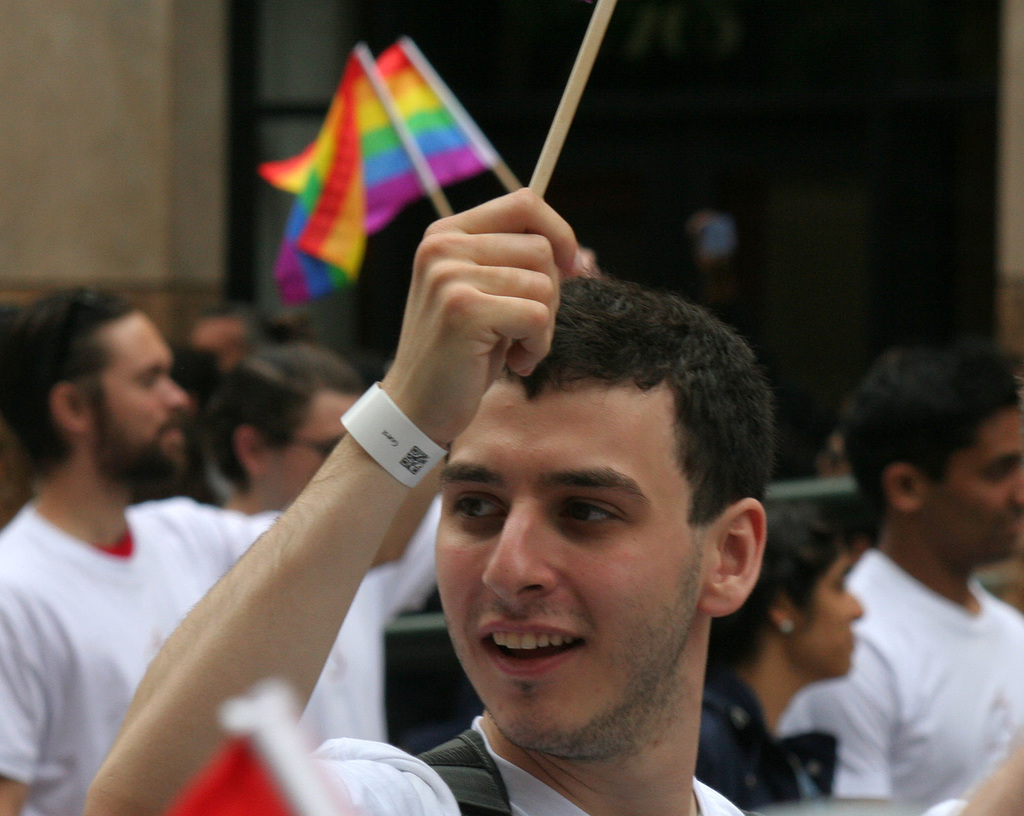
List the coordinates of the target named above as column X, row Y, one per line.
column 571, row 96
column 419, row 162
column 480, row 143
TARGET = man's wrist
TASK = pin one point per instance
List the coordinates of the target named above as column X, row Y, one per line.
column 390, row 437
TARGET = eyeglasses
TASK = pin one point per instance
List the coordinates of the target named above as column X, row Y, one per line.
column 324, row 448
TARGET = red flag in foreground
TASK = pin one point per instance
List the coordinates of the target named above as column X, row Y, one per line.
column 264, row 768
column 235, row 783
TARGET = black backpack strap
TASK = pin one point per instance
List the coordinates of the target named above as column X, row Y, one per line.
column 464, row 764
column 466, row 767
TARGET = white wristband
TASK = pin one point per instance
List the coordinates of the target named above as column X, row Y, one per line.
column 389, row 436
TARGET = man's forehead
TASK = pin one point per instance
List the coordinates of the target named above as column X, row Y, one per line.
column 507, row 402
column 586, row 427
column 997, row 435
column 130, row 337
column 582, row 390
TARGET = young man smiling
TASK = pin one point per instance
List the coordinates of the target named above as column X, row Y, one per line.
column 601, row 503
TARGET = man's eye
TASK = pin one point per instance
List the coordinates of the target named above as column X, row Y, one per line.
column 475, row 507
column 585, row 511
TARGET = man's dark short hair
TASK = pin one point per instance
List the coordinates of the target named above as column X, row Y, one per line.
column 50, row 341
column 921, row 405
column 619, row 333
column 271, row 390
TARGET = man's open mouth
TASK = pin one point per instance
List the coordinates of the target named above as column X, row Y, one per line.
column 533, row 644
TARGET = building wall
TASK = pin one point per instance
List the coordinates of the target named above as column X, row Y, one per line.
column 1010, row 204
column 112, row 150
column 112, row 153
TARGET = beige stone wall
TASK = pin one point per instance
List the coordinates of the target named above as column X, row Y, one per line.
column 112, row 145
column 1010, row 204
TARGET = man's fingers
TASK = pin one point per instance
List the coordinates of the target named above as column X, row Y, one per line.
column 525, row 329
column 454, row 281
column 502, row 250
column 519, row 212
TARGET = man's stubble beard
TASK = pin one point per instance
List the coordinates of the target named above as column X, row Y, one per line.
column 653, row 695
column 136, row 465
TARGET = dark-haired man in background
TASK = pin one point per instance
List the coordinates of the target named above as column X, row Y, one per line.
column 934, row 699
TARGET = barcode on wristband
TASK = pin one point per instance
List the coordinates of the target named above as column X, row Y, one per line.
column 414, row 460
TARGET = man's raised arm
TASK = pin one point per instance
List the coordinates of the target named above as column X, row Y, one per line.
column 483, row 295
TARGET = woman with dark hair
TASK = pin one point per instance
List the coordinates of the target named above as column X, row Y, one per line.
column 794, row 629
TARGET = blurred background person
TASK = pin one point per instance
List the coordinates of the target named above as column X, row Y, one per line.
column 196, row 372
column 275, row 418
column 934, row 700
column 794, row 629
column 228, row 331
column 271, row 425
column 15, row 475
column 91, row 585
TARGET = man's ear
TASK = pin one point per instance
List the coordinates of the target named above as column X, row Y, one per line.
column 71, row 409
column 251, row 450
column 905, row 486
column 733, row 548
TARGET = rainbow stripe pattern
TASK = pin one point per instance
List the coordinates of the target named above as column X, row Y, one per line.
column 324, row 238
column 391, row 182
column 356, row 176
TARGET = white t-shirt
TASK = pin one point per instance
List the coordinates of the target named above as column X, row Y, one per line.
column 935, row 698
column 381, row 780
column 349, row 696
column 78, row 628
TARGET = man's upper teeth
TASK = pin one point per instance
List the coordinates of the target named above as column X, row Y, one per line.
column 530, row 640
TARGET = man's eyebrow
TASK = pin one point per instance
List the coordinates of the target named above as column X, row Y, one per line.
column 469, row 473
column 1006, row 462
column 596, row 478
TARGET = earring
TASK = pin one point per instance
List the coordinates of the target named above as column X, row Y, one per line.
column 786, row 626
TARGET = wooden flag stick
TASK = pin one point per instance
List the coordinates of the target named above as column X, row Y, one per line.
column 419, row 162
column 571, row 96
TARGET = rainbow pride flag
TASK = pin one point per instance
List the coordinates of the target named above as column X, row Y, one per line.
column 357, row 176
column 391, row 182
column 324, row 238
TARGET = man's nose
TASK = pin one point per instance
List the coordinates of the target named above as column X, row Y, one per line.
column 521, row 564
column 175, row 396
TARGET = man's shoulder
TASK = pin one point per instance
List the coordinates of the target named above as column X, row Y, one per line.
column 28, row 546
column 377, row 776
column 381, row 779
column 203, row 529
column 1004, row 613
column 175, row 508
column 875, row 576
column 712, row 803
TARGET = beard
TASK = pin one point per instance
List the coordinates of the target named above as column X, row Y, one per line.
column 137, row 465
column 650, row 697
